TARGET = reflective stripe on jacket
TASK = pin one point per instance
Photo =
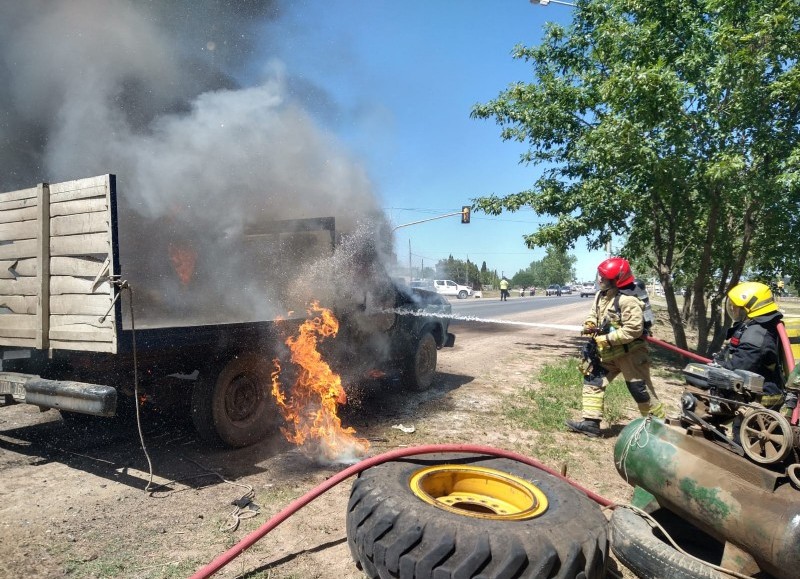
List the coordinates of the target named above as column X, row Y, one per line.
column 626, row 325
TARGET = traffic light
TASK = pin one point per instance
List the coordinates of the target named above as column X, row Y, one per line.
column 465, row 210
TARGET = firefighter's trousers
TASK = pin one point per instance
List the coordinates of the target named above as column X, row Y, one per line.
column 635, row 369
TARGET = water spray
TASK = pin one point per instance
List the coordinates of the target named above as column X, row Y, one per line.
column 564, row 327
column 423, row 313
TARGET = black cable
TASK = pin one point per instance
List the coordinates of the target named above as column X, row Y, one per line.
column 126, row 285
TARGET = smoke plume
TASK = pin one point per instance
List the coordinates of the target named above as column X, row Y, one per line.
column 148, row 91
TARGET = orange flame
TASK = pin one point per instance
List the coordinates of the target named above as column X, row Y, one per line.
column 183, row 260
column 311, row 412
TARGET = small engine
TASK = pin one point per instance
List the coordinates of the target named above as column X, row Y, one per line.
column 726, row 406
column 713, row 383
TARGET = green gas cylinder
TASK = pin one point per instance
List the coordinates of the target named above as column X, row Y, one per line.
column 726, row 495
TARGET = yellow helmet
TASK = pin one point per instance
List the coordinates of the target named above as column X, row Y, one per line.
column 751, row 299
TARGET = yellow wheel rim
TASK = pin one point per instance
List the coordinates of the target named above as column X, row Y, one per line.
column 475, row 491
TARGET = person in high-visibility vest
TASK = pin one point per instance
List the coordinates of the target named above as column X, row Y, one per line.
column 504, row 290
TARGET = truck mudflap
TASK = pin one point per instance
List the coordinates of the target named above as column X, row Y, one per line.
column 79, row 397
column 450, row 341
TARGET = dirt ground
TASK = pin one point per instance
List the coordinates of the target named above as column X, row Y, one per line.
column 73, row 501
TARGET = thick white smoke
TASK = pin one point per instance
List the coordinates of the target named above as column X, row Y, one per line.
column 145, row 90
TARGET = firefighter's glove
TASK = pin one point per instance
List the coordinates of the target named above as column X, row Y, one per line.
column 589, row 329
column 602, row 343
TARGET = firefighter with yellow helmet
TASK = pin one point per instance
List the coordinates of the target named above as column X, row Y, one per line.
column 752, row 341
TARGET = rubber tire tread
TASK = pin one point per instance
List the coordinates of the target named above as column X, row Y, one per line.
column 635, row 544
column 393, row 534
column 414, row 380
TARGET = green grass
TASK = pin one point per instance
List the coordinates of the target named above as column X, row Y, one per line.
column 125, row 561
column 554, row 396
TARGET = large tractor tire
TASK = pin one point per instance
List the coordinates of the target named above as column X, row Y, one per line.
column 643, row 550
column 232, row 404
column 420, row 368
column 448, row 516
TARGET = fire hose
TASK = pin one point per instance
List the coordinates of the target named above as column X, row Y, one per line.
column 676, row 349
column 786, row 346
column 250, row 539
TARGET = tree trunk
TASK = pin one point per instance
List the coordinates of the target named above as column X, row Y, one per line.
column 674, row 313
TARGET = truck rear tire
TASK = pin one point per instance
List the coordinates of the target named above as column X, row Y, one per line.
column 232, row 405
column 446, row 516
column 462, row 295
column 636, row 545
column 421, row 367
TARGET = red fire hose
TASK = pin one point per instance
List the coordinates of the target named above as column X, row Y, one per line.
column 299, row 503
column 676, row 349
column 787, row 346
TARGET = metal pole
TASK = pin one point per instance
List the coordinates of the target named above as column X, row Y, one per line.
column 546, row 2
column 426, row 220
column 410, row 274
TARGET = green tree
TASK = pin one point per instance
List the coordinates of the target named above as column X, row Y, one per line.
column 674, row 126
column 557, row 266
column 463, row 272
column 523, row 278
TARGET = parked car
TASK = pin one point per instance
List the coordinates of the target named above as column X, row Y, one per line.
column 588, row 290
column 448, row 287
column 553, row 290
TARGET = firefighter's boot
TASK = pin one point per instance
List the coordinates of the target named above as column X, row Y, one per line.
column 587, row 427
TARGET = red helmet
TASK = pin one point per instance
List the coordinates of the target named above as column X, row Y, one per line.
column 617, row 270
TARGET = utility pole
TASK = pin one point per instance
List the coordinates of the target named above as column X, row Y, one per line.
column 410, row 274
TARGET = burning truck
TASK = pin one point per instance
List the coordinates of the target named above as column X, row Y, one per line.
column 101, row 309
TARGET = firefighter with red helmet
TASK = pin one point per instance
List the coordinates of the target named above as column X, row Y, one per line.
column 617, row 324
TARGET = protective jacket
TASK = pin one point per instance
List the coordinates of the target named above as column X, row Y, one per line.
column 625, row 323
column 753, row 346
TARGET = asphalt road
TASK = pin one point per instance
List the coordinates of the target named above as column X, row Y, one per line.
column 494, row 308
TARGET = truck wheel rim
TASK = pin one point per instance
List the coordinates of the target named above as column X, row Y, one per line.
column 474, row 491
column 242, row 398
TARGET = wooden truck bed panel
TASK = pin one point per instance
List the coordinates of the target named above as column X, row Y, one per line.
column 57, row 255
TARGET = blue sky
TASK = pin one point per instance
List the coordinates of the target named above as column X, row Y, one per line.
column 395, row 82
